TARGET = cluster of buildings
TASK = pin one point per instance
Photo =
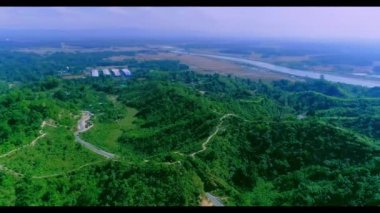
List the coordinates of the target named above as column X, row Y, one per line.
column 115, row 72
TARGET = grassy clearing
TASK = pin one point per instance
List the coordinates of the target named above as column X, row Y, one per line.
column 56, row 152
column 106, row 135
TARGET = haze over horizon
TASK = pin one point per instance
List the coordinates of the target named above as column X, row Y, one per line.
column 343, row 23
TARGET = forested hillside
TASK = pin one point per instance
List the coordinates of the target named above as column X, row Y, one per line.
column 179, row 134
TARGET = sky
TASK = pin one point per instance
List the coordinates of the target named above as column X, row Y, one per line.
column 239, row 22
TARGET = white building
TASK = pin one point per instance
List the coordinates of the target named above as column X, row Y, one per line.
column 106, row 72
column 126, row 72
column 94, row 73
column 116, row 72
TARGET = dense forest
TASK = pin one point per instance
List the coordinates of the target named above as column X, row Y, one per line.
column 23, row 67
column 248, row 142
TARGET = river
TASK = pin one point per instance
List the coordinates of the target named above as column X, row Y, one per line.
column 300, row 73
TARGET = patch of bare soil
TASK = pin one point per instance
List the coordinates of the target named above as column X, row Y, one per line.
column 119, row 58
column 210, row 65
column 205, row 202
column 73, row 76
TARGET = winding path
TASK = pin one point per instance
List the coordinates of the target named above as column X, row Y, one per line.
column 44, row 123
column 204, row 144
column 82, row 128
column 214, row 200
column 67, row 172
column 10, row 171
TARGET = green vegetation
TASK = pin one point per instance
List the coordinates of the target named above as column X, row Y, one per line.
column 262, row 153
column 57, row 152
column 106, row 134
column 113, row 184
column 25, row 67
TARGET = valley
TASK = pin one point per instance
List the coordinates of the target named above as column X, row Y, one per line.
column 104, row 141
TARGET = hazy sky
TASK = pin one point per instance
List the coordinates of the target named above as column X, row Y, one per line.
column 308, row 22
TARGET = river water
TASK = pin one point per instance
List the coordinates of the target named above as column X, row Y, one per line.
column 296, row 72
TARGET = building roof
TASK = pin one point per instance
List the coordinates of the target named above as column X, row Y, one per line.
column 126, row 71
column 94, row 73
column 106, row 72
column 116, row 72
